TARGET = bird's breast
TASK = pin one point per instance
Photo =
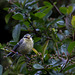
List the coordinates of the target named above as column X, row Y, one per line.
column 25, row 47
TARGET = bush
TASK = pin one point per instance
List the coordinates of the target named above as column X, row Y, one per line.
column 54, row 44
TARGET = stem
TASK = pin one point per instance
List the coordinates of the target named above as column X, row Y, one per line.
column 31, row 23
column 55, row 7
column 57, row 49
column 64, row 65
column 73, row 36
column 16, row 52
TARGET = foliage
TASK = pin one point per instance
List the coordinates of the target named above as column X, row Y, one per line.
column 54, row 45
column 1, row 69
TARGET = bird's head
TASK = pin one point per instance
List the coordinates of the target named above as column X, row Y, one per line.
column 27, row 36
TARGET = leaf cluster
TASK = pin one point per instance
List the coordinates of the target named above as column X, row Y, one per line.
column 54, row 45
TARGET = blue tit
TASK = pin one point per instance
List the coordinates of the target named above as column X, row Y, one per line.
column 24, row 46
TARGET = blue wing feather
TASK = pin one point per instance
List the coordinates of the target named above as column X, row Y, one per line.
column 15, row 48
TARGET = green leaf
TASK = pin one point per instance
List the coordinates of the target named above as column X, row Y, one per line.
column 38, row 66
column 23, row 68
column 73, row 21
column 38, row 47
column 27, row 23
column 66, row 32
column 20, row 61
column 16, row 32
column 12, row 43
column 47, row 15
column 49, row 7
column 40, row 15
column 40, row 8
column 63, row 10
column 60, row 23
column 31, row 3
column 17, row 4
column 52, row 22
column 35, row 51
column 36, row 39
column 71, row 47
column 47, row 10
column 6, row 72
column 55, row 3
column 7, row 17
column 44, row 48
column 5, row 9
column 47, row 4
column 1, row 69
column 69, row 67
column 69, row 9
column 18, row 16
column 1, row 45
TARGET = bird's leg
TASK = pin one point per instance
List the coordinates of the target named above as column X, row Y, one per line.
column 16, row 53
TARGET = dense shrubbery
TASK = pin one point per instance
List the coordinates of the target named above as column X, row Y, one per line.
column 54, row 44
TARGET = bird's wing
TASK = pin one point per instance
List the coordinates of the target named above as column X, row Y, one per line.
column 15, row 48
column 17, row 45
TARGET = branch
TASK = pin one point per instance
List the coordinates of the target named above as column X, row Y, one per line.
column 31, row 23
column 65, row 65
column 67, row 60
column 57, row 49
column 55, row 7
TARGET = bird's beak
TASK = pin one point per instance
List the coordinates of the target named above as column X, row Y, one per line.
column 28, row 37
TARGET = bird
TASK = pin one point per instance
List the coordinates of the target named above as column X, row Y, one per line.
column 24, row 46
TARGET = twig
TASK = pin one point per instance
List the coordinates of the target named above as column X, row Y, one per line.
column 16, row 52
column 68, row 59
column 13, row 54
column 31, row 23
column 64, row 65
column 57, row 49
column 55, row 7
column 73, row 36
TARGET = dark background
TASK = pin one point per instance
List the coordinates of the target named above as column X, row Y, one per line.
column 5, row 33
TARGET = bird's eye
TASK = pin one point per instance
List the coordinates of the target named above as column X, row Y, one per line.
column 25, row 37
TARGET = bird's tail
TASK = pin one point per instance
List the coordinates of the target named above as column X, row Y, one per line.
column 10, row 54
